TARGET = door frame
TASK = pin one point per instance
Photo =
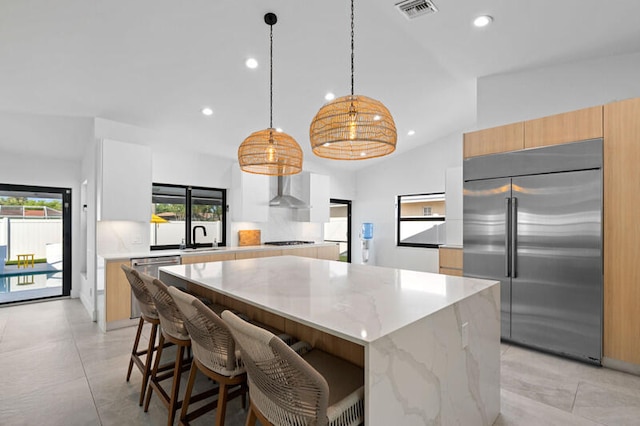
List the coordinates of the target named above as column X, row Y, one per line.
column 66, row 231
column 348, row 204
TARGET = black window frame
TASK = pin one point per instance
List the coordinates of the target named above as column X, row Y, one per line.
column 187, row 228
column 399, row 220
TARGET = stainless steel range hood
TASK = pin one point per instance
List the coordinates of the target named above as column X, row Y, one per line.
column 284, row 198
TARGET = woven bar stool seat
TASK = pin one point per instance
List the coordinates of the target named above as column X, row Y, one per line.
column 214, row 355
column 289, row 386
column 148, row 314
column 172, row 330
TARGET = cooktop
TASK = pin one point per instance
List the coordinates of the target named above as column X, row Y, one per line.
column 287, row 243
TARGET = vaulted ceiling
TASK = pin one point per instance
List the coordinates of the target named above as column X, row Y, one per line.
column 156, row 63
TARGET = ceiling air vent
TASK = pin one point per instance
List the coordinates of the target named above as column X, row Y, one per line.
column 411, row 9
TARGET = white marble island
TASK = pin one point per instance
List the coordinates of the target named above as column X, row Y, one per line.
column 430, row 343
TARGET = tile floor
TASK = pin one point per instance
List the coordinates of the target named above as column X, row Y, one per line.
column 57, row 368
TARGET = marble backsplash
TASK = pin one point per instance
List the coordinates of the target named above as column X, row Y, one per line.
column 128, row 237
column 280, row 227
column 122, row 237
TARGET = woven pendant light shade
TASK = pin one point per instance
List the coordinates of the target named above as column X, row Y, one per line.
column 268, row 152
column 353, row 127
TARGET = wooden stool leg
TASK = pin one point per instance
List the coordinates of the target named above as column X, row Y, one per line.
column 187, row 395
column 154, row 373
column 222, row 405
column 147, row 362
column 135, row 347
column 177, row 373
column 251, row 417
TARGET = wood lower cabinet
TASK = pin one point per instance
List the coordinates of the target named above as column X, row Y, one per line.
column 210, row 257
column 258, row 253
column 564, row 128
column 622, row 231
column 302, row 252
column 495, row 140
column 329, row 252
column 118, row 292
column 450, row 260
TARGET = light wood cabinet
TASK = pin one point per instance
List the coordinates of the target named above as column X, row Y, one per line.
column 329, row 252
column 209, row 257
column 450, row 260
column 302, row 252
column 117, row 292
column 564, row 128
column 495, row 140
column 622, row 231
column 619, row 124
column 258, row 253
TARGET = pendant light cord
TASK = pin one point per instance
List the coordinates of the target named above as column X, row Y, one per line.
column 271, row 80
column 352, row 48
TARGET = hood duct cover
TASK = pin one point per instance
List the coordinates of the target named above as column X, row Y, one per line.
column 284, row 198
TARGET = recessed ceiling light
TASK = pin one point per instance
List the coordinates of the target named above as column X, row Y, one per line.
column 362, row 154
column 207, row 111
column 326, row 144
column 329, row 96
column 376, row 118
column 411, row 132
column 251, row 63
column 482, row 21
column 279, row 129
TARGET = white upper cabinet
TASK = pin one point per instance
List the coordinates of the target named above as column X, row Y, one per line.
column 124, row 181
column 249, row 196
column 315, row 192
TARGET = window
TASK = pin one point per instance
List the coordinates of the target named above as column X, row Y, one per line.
column 421, row 220
column 179, row 210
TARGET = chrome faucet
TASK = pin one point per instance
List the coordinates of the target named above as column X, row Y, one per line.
column 193, row 231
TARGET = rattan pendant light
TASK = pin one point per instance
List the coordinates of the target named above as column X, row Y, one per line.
column 353, row 127
column 269, row 152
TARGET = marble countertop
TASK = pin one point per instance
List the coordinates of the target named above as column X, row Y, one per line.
column 359, row 303
column 175, row 252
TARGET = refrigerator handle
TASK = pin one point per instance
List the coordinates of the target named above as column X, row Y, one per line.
column 514, row 237
column 507, row 247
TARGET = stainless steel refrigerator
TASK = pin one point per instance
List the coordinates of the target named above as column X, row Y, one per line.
column 533, row 221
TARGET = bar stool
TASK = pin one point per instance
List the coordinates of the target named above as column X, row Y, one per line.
column 150, row 315
column 288, row 388
column 214, row 355
column 172, row 330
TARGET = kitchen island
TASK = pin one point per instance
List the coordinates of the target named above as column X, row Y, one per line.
column 429, row 343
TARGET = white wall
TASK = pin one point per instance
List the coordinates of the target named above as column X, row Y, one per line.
column 421, row 170
column 517, row 96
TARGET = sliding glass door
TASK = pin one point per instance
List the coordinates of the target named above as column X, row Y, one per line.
column 35, row 243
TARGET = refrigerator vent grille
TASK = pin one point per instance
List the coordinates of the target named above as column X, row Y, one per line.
column 412, row 9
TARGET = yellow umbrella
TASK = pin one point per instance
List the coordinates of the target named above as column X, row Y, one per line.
column 157, row 219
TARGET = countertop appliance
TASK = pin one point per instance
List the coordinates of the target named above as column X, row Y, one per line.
column 287, row 243
column 533, row 221
column 149, row 266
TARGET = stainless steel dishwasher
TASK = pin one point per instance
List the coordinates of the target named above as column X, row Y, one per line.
column 149, row 266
